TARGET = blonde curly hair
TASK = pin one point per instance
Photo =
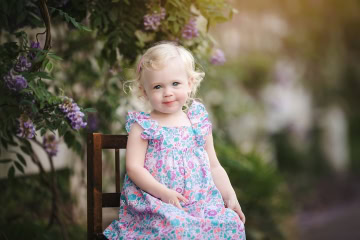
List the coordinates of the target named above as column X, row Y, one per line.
column 156, row 57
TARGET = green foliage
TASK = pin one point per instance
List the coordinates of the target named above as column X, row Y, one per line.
column 72, row 20
column 17, row 14
column 19, row 195
column 261, row 190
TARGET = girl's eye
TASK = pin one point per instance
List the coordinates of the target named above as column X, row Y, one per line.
column 176, row 83
column 157, row 87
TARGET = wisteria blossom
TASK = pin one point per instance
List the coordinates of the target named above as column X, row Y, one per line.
column 26, row 127
column 34, row 45
column 23, row 64
column 153, row 21
column 218, row 57
column 190, row 31
column 15, row 82
column 50, row 144
column 73, row 113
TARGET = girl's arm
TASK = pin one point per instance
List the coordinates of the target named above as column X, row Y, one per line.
column 135, row 157
column 221, row 179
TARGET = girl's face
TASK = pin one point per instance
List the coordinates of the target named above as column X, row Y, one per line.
column 167, row 89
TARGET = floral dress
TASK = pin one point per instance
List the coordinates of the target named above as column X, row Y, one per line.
column 176, row 158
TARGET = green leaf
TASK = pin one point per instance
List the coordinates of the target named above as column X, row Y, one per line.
column 21, row 158
column 25, row 149
column 69, row 138
column 75, row 23
column 4, row 143
column 77, row 147
column 34, row 108
column 26, row 142
column 6, row 160
column 67, row 17
column 44, row 75
column 11, row 172
column 40, row 56
column 42, row 131
column 83, row 27
column 54, row 56
column 25, row 102
column 90, row 110
column 62, row 129
column 12, row 143
column 19, row 167
column 44, row 63
column 49, row 66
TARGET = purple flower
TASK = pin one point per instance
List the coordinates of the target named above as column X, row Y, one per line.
column 179, row 190
column 32, row 54
column 152, row 21
column 50, row 144
column 73, row 113
column 190, row 31
column 15, row 82
column 218, row 57
column 26, row 127
column 22, row 65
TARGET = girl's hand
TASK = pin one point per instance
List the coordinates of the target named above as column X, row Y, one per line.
column 173, row 197
column 234, row 204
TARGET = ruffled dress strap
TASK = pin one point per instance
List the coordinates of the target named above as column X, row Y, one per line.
column 200, row 122
column 151, row 128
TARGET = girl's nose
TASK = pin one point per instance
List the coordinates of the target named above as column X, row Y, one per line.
column 167, row 92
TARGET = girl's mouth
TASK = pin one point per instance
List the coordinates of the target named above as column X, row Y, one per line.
column 167, row 103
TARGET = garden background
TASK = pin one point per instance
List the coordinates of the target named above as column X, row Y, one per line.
column 282, row 86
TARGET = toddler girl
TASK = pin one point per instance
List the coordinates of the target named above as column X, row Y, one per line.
column 174, row 187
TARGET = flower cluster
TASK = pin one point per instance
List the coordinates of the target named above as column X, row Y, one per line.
column 50, row 144
column 15, row 82
column 22, row 65
column 152, row 21
column 33, row 45
column 190, row 31
column 218, row 57
column 73, row 113
column 26, row 127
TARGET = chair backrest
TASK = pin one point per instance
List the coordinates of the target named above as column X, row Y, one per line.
column 96, row 199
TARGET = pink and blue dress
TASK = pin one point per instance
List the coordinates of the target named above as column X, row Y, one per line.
column 176, row 158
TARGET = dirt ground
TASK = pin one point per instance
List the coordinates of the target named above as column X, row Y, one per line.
column 339, row 222
column 334, row 213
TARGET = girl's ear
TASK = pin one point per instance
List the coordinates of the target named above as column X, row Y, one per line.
column 190, row 82
column 142, row 90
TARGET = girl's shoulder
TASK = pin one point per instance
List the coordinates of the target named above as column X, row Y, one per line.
column 151, row 128
column 142, row 118
column 197, row 112
column 200, row 121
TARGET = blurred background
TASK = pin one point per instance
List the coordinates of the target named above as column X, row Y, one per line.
column 281, row 86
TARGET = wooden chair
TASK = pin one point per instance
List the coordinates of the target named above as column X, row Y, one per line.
column 96, row 199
